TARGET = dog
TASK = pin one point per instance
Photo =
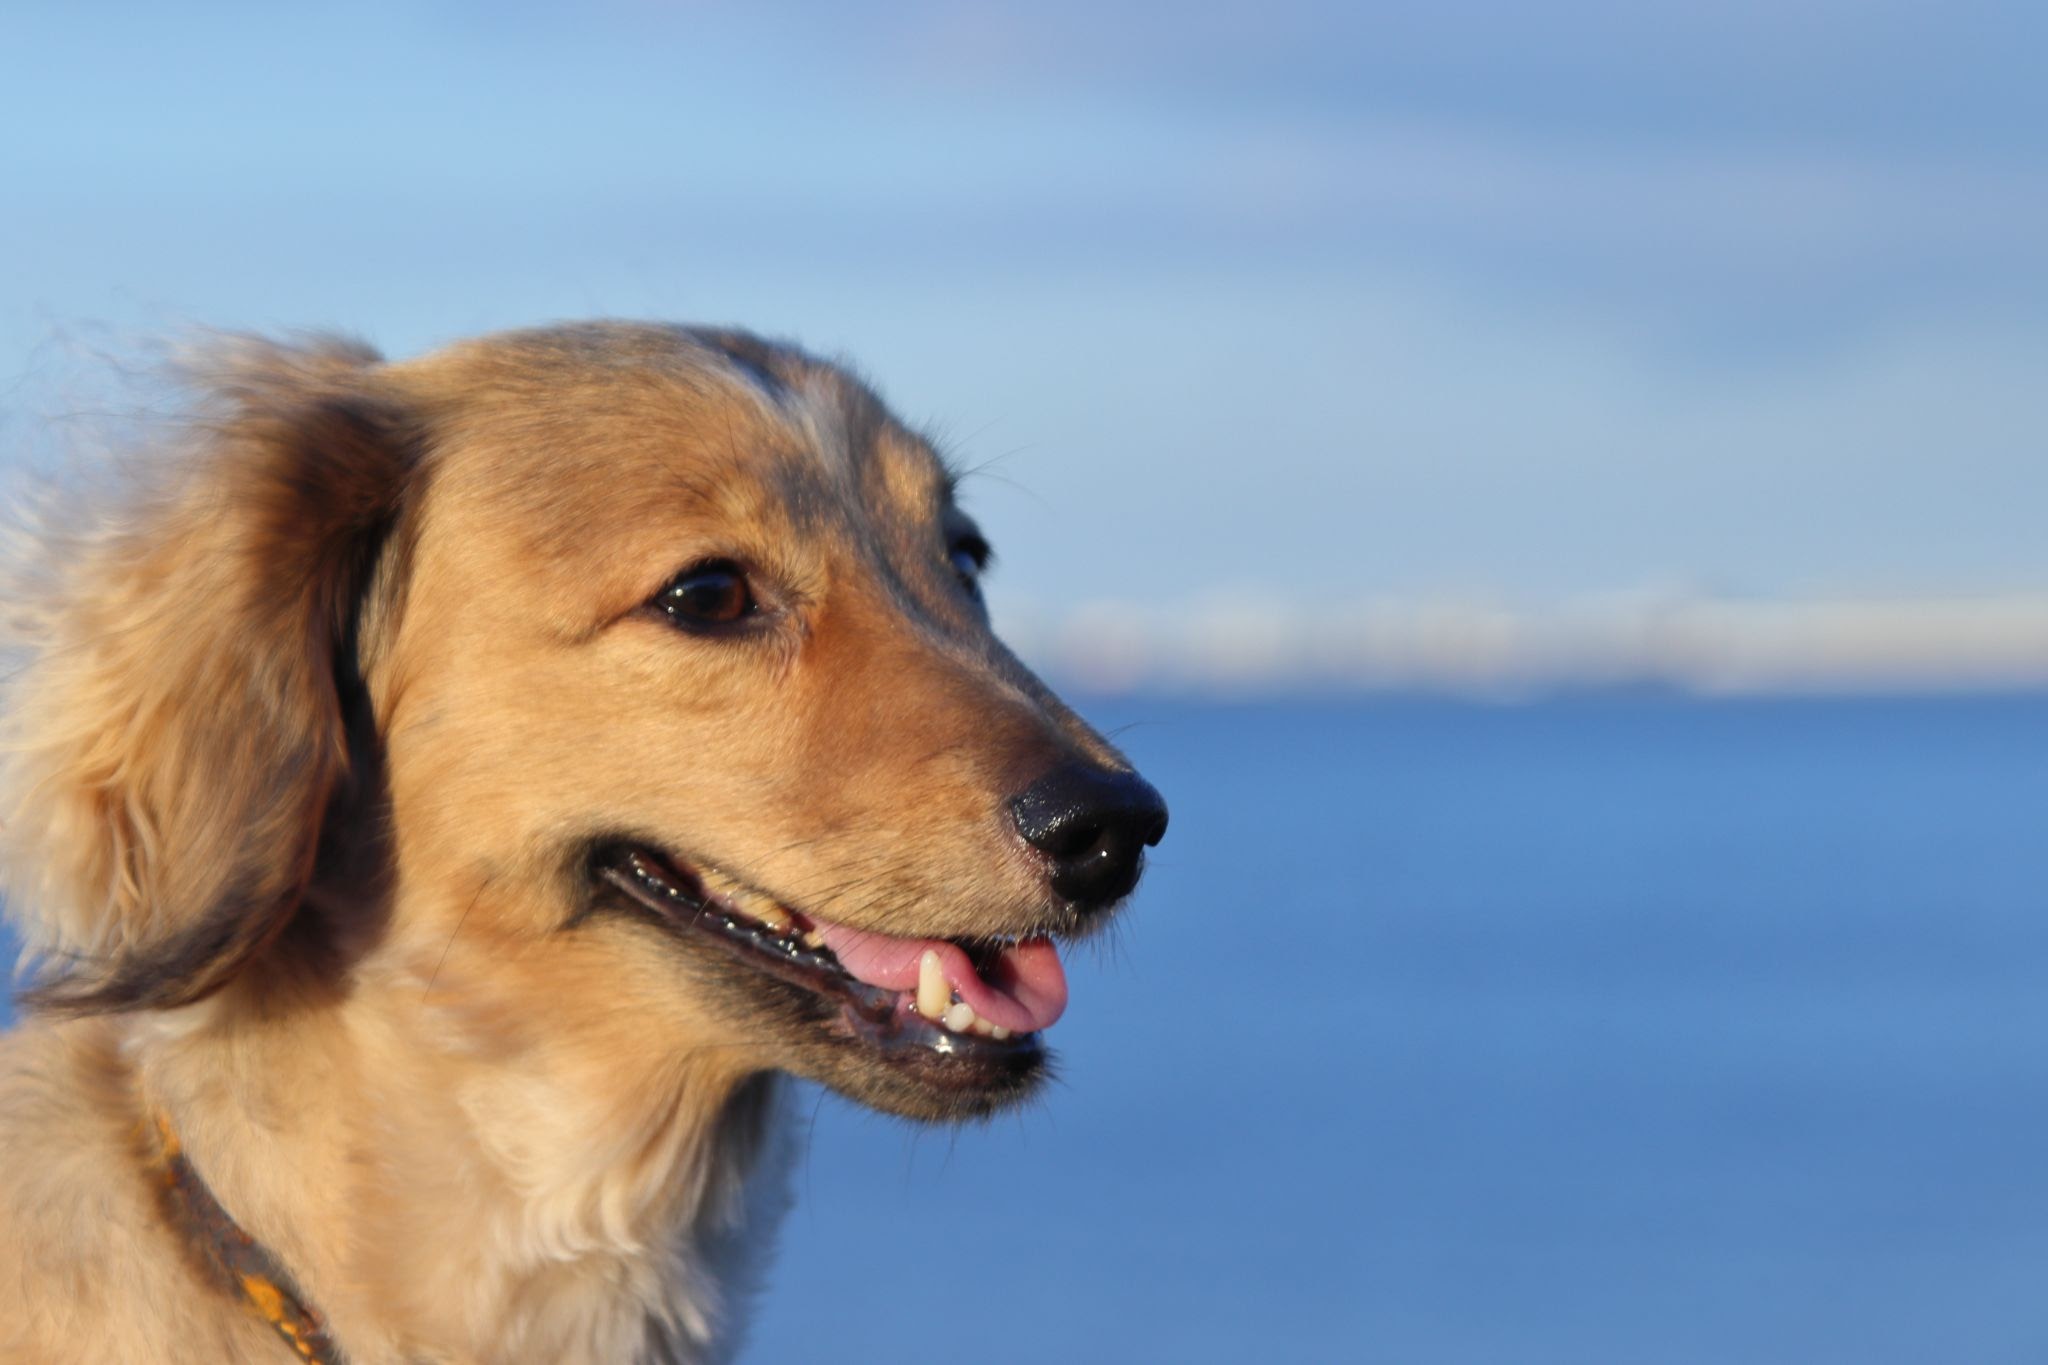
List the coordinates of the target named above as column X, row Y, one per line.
column 443, row 798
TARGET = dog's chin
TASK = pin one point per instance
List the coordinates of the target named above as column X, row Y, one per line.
column 853, row 1023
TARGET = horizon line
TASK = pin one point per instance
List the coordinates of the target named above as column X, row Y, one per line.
column 1690, row 644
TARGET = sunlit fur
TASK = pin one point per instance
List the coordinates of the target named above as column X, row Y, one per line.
column 310, row 733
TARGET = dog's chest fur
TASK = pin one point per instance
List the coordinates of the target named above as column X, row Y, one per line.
column 128, row 1285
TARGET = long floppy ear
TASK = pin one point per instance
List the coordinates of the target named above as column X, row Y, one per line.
column 177, row 729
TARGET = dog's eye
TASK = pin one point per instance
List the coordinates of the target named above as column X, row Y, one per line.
column 709, row 594
column 969, row 556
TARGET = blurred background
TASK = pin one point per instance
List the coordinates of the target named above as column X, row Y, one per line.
column 1551, row 493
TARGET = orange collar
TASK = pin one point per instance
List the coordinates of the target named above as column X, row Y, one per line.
column 237, row 1262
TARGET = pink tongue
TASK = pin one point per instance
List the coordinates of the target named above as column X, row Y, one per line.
column 1026, row 988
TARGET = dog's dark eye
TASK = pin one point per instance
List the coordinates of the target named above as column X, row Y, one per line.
column 969, row 557
column 708, row 595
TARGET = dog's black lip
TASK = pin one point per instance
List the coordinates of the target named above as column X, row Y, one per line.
column 655, row 883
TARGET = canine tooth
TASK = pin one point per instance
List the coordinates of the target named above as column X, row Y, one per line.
column 933, row 994
column 960, row 1017
column 813, row 939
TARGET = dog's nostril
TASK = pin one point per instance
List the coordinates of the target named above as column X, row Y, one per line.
column 1074, row 839
column 1094, row 824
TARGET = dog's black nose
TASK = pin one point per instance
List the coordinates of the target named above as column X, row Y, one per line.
column 1094, row 824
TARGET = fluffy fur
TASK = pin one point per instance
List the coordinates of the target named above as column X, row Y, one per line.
column 309, row 739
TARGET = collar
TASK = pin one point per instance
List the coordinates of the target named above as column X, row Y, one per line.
column 242, row 1266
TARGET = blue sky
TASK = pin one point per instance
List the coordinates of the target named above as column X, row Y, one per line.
column 1302, row 300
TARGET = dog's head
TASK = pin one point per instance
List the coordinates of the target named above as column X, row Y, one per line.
column 640, row 671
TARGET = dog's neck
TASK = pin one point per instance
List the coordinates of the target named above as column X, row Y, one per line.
column 452, row 1202
column 240, row 1266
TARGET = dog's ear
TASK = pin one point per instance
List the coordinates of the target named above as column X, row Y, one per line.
column 178, row 727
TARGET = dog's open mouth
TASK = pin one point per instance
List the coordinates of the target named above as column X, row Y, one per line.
column 936, row 995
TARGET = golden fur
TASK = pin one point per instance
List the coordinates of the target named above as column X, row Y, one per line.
column 305, row 746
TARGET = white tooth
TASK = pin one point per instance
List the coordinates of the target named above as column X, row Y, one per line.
column 813, row 939
column 933, row 993
column 998, row 1032
column 960, row 1017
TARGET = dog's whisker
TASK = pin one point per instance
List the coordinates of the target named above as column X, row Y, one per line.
column 460, row 920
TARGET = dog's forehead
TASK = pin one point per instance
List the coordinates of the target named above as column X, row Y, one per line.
column 570, row 424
